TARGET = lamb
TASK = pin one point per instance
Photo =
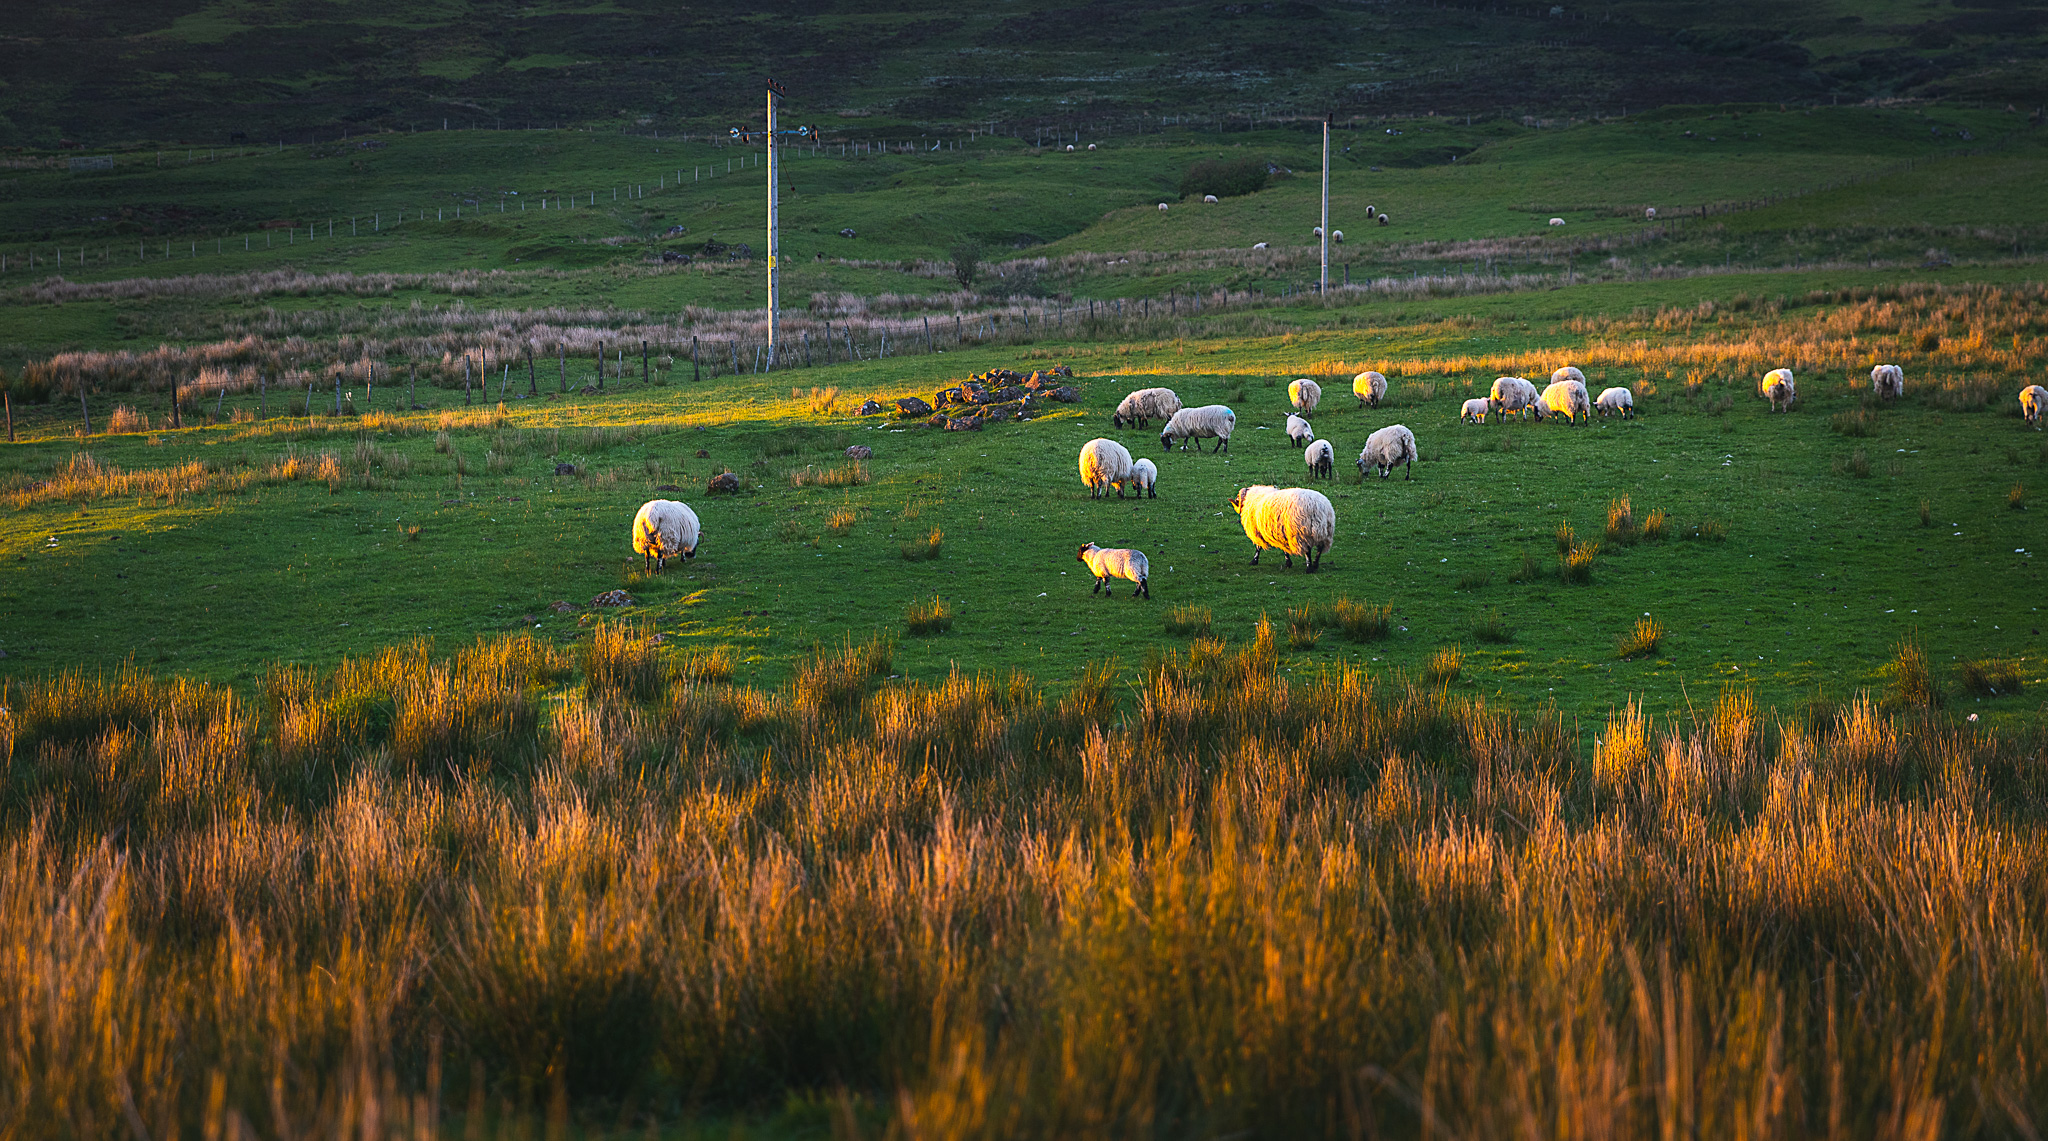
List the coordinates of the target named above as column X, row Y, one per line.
column 1369, row 387
column 1293, row 521
column 1613, row 400
column 1888, row 381
column 1141, row 406
column 1106, row 563
column 1299, row 431
column 1258, row 245
column 1321, row 458
column 1557, row 221
column 1105, row 464
column 1512, row 395
column 1390, row 447
column 1777, row 388
column 1162, row 207
column 1315, row 231
column 2033, row 400
column 1476, row 410
column 1567, row 398
column 1144, row 478
column 1370, row 211
column 664, row 528
column 1386, row 219
column 1337, row 236
column 1209, row 422
column 1208, row 198
column 1305, row 394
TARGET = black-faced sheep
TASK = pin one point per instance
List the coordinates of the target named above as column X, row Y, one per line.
column 1106, row 563
column 1105, row 464
column 1391, row 447
column 663, row 529
column 1209, row 422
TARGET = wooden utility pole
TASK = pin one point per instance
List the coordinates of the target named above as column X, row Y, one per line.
column 775, row 93
column 1323, row 281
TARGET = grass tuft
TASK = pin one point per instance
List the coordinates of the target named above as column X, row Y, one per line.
column 1475, row 580
column 1565, row 537
column 1926, row 513
column 1445, row 666
column 926, row 550
column 845, row 475
column 1621, row 522
column 1913, row 685
column 934, row 617
column 1492, row 628
column 1301, row 636
column 1641, row 641
column 1656, row 526
column 1188, row 621
column 1576, row 565
column 1857, row 423
column 622, row 661
column 1991, row 677
column 841, row 519
column 1363, row 622
column 2016, row 498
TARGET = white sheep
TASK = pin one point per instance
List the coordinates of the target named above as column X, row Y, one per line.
column 1208, row 198
column 1391, row 447
column 1568, row 373
column 1337, row 236
column 1650, row 212
column 1557, row 221
column 1777, row 388
column 1476, row 410
column 1105, row 464
column 1258, row 245
column 1144, row 478
column 1305, row 394
column 1299, row 431
column 1370, row 211
column 1386, row 219
column 1162, row 207
column 1106, row 563
column 1070, row 146
column 1512, row 395
column 2033, row 401
column 1567, row 398
column 664, row 528
column 1321, row 458
column 1091, row 146
column 1369, row 387
column 1293, row 521
column 1616, row 400
column 1209, row 422
column 1888, row 381
column 1141, row 407
column 1315, row 231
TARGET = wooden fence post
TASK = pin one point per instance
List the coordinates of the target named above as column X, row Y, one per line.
column 337, row 392
column 928, row 346
column 600, row 366
column 643, row 362
column 532, row 377
column 262, row 396
column 807, row 348
column 8, row 399
column 177, row 418
column 562, row 358
column 412, row 388
column 696, row 369
column 465, row 382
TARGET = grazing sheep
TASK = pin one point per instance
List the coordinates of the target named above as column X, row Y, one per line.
column 1557, row 221
column 1208, row 198
column 1476, row 410
column 1369, row 387
column 1305, row 394
column 664, row 528
column 1888, row 381
column 2033, row 401
column 1567, row 398
column 1512, row 395
column 1293, row 521
column 1091, row 146
column 1370, row 212
column 1613, row 400
column 1145, row 478
column 1390, row 447
column 1105, row 464
column 1258, row 245
column 1315, row 231
column 1140, row 407
column 1070, row 146
column 1321, row 458
column 1106, row 563
column 1299, row 431
column 1386, row 219
column 1209, row 422
column 1568, row 373
column 1337, row 236
column 1777, row 388
column 1162, row 207
column 1650, row 212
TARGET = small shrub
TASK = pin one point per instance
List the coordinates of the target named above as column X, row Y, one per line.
column 1492, row 628
column 126, row 419
column 1529, row 571
column 1301, row 636
column 934, row 617
column 1576, row 565
column 1225, row 178
column 1445, row 666
column 1991, row 677
column 1656, row 526
column 1475, row 580
column 2017, row 497
column 1621, row 522
column 1913, row 685
column 1857, row 423
column 1185, row 621
column 925, row 550
column 1565, row 536
column 412, row 534
column 823, row 400
column 1641, row 641
column 1362, row 622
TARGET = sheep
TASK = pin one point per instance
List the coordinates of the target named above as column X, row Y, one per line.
column 1106, row 563
column 1386, row 219
column 1650, row 212
column 1337, row 236
column 1162, row 207
column 1321, row 458
column 1140, row 407
column 1568, row 373
column 2033, row 400
column 1105, row 464
column 1567, row 398
column 1209, row 422
column 1613, row 400
column 1305, row 394
column 1513, row 395
column 1208, row 198
column 1315, row 231
column 664, row 528
column 1390, row 447
column 1293, row 521
column 1557, row 221
column 1258, row 245
column 1299, row 431
column 1370, row 211
column 1144, row 478
column 1369, row 387
column 1070, row 147
column 1777, row 388
column 1888, row 381
column 1476, row 410
column 1091, row 146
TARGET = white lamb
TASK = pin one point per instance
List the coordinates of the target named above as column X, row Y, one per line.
column 1105, row 464
column 2033, row 401
column 1106, row 563
column 1888, row 381
column 1258, row 245
column 1209, row 422
column 1512, row 395
column 1777, row 388
column 1315, row 231
column 1293, row 521
column 1144, row 478
column 1475, row 410
column 1616, row 400
column 1391, row 447
column 1305, row 394
column 1337, row 236
column 1386, row 219
column 1557, row 221
column 1162, row 207
column 1567, row 398
column 1141, row 407
column 1208, row 198
column 1299, row 431
column 1369, row 387
column 663, row 529
column 1321, row 458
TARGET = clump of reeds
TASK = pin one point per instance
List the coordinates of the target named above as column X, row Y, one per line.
column 1621, row 522
column 934, row 617
column 1564, row 536
column 925, row 549
column 1576, row 565
column 1492, row 628
column 1622, row 753
column 1529, row 570
column 715, row 664
column 841, row 519
column 822, row 400
column 1302, row 635
column 1856, row 464
column 1475, row 580
column 1926, row 513
column 847, row 474
column 1708, row 530
column 1641, row 640
column 1991, row 677
column 1912, row 677
column 2016, row 497
column 1857, row 422
column 1362, row 621
column 622, row 661
column 1656, row 526
column 126, row 419
column 1188, row 621
column 1445, row 666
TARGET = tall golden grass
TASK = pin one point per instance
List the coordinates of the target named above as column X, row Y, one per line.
column 422, row 892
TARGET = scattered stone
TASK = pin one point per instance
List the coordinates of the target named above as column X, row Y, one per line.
column 562, row 606
column 675, row 257
column 964, row 424
column 938, row 420
column 997, row 413
column 667, row 487
column 588, row 390
column 848, row 232
column 910, row 408
column 702, row 454
column 1065, row 394
column 871, row 408
column 860, row 452
column 613, row 598
column 724, row 481
column 566, row 469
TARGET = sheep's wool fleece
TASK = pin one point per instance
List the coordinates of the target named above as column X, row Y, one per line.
column 663, row 528
column 1292, row 519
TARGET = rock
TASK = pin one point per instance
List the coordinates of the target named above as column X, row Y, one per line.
column 1063, row 370
column 613, row 598
column 667, row 487
column 974, row 393
column 847, row 232
column 566, row 469
column 964, row 424
column 997, row 413
column 562, row 606
column 945, row 396
column 1014, row 392
column 871, row 408
column 910, row 407
column 675, row 257
column 724, row 481
column 587, row 390
column 937, row 420
column 702, row 454
column 860, row 452
column 1065, row 394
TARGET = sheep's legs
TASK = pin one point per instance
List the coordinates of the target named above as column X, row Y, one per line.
column 1256, row 552
column 1098, row 586
column 1144, row 589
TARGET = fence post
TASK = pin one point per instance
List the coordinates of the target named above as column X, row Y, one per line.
column 562, row 358
column 262, row 396
column 309, row 401
column 220, row 402
column 465, row 382
column 412, row 388
column 928, row 346
column 177, row 418
column 337, row 392
column 8, row 399
column 600, row 366
column 807, row 348
column 696, row 369
column 532, row 377
column 643, row 362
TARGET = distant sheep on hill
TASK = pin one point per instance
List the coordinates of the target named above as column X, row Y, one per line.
column 1888, row 381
